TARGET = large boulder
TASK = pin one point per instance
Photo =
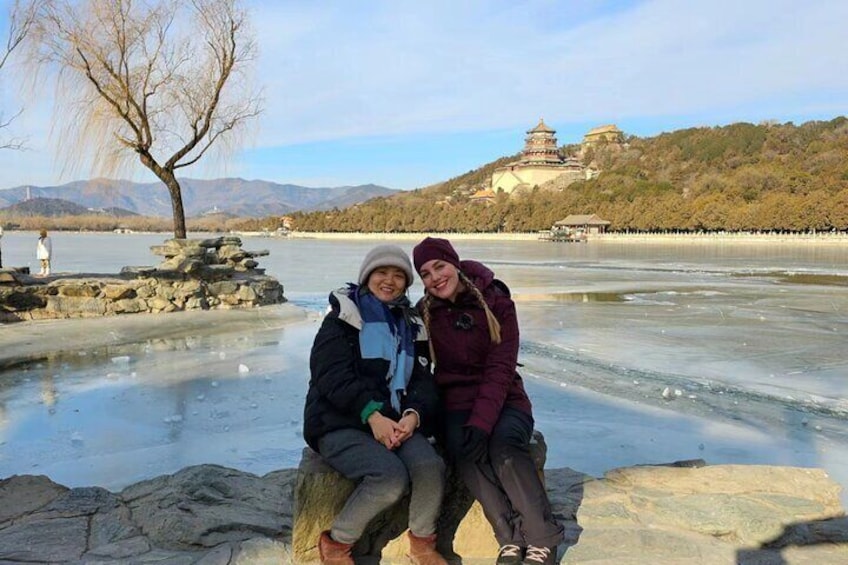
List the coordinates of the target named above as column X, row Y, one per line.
column 207, row 505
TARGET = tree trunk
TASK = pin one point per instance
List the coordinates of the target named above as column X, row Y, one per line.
column 166, row 175
column 170, row 180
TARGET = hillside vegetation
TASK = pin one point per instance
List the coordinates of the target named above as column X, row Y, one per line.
column 741, row 177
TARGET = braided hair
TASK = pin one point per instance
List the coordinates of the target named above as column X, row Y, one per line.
column 491, row 321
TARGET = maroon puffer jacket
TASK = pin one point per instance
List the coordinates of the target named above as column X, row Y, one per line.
column 472, row 373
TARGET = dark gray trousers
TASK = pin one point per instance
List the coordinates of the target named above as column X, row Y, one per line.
column 506, row 484
column 383, row 477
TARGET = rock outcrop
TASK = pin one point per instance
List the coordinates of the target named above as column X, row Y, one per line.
column 195, row 274
column 211, row 515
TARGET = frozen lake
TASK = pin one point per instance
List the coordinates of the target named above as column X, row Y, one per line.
column 633, row 353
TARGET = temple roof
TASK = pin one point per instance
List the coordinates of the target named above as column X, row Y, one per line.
column 582, row 220
column 611, row 128
column 542, row 127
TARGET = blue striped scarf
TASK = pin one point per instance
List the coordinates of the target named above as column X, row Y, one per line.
column 388, row 332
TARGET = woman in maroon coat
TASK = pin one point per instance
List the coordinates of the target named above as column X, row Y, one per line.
column 473, row 330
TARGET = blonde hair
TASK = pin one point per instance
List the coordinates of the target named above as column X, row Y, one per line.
column 491, row 321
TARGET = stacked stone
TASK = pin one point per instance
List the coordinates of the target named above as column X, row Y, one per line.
column 196, row 274
column 210, row 258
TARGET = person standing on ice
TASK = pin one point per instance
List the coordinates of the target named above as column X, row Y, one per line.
column 43, row 252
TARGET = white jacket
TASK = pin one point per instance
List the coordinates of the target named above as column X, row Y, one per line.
column 44, row 248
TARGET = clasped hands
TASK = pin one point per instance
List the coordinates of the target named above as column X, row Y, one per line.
column 390, row 433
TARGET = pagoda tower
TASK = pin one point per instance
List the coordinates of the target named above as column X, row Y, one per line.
column 540, row 146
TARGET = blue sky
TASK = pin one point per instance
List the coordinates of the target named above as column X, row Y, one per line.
column 405, row 94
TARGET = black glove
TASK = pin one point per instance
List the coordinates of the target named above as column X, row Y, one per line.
column 475, row 446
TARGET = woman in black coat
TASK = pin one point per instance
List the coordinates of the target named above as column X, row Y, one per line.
column 371, row 405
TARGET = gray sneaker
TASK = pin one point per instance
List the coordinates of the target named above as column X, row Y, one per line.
column 510, row 554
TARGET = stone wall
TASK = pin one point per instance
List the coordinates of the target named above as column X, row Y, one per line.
column 195, row 274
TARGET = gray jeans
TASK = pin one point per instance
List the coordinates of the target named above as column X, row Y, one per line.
column 383, row 477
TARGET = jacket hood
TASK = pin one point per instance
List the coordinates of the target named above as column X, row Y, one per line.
column 481, row 275
column 342, row 303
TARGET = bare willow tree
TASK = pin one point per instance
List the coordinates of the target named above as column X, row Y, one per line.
column 165, row 80
column 21, row 18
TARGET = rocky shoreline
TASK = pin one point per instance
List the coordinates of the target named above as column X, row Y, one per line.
column 212, row 515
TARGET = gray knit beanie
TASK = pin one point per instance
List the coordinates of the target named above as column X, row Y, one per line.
column 385, row 256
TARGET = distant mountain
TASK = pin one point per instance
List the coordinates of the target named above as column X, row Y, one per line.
column 52, row 207
column 239, row 197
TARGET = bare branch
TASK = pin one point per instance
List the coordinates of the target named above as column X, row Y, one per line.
column 21, row 20
column 221, row 131
column 12, row 143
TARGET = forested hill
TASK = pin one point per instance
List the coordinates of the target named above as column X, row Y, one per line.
column 738, row 177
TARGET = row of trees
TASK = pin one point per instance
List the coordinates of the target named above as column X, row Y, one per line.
column 670, row 211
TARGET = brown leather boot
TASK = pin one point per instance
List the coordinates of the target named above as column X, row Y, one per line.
column 333, row 552
column 422, row 551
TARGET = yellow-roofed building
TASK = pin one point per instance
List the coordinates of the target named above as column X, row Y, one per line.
column 603, row 134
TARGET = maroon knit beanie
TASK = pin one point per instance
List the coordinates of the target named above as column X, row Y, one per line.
column 434, row 248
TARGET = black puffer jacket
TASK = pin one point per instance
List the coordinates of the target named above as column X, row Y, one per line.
column 342, row 383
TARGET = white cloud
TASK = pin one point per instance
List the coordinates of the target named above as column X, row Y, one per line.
column 441, row 66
